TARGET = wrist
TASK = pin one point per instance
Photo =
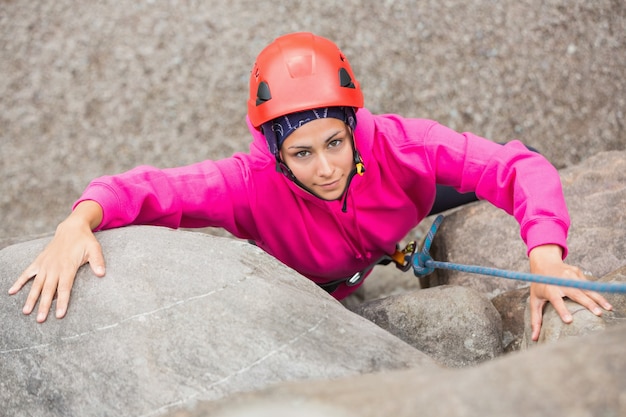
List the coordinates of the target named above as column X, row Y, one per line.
column 543, row 255
column 549, row 250
column 86, row 213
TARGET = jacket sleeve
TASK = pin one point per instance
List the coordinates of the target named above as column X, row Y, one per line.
column 511, row 177
column 206, row 194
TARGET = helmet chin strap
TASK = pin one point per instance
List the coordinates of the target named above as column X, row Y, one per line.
column 359, row 168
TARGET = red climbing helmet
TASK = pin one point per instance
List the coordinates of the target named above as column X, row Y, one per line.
column 300, row 71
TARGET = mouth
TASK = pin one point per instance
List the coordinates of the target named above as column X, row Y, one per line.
column 329, row 185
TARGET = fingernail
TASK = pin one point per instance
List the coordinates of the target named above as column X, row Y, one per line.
column 60, row 312
column 41, row 316
column 568, row 318
column 597, row 311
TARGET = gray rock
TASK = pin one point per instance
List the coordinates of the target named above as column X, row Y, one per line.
column 94, row 88
column 91, row 89
column 595, row 191
column 457, row 326
column 262, row 408
column 580, row 376
column 179, row 317
column 585, row 322
column 482, row 235
column 511, row 305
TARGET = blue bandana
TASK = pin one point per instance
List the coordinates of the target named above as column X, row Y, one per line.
column 277, row 130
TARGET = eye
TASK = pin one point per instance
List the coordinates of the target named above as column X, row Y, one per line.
column 334, row 143
column 302, row 154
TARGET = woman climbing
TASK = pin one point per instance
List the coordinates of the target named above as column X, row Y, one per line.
column 327, row 187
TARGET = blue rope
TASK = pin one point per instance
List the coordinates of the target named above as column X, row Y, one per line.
column 423, row 264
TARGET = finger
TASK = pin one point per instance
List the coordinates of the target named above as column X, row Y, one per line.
column 596, row 297
column 28, row 274
column 536, row 318
column 561, row 309
column 585, row 300
column 33, row 294
column 588, row 299
column 600, row 300
column 64, row 290
column 47, row 295
column 95, row 258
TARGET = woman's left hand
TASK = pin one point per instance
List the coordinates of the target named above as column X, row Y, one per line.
column 547, row 260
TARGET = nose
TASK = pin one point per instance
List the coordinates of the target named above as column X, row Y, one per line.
column 324, row 167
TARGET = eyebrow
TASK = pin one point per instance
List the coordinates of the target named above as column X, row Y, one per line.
column 331, row 137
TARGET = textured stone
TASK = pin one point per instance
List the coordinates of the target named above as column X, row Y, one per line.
column 97, row 88
column 93, row 88
column 480, row 234
column 179, row 317
column 455, row 325
column 511, row 305
column 580, row 376
column 585, row 322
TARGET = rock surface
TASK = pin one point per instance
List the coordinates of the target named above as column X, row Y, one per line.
column 455, row 325
column 581, row 376
column 97, row 88
column 179, row 317
column 585, row 322
column 480, row 234
column 88, row 89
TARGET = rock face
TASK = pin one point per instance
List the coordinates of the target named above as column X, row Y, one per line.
column 585, row 322
column 184, row 317
column 455, row 325
column 89, row 89
column 92, row 89
column 179, row 317
column 581, row 376
column 480, row 234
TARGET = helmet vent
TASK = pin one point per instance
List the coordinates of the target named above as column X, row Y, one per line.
column 263, row 93
column 344, row 79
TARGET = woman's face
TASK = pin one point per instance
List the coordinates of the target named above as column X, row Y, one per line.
column 320, row 156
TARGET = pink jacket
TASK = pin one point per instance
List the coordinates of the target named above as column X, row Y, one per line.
column 404, row 160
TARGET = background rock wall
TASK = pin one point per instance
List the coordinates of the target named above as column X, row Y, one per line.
column 93, row 88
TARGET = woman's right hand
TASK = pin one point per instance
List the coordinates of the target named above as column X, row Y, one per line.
column 54, row 270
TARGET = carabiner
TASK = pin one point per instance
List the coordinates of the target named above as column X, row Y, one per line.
column 402, row 258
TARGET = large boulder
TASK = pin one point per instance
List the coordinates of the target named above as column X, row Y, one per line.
column 580, row 376
column 457, row 326
column 179, row 317
column 480, row 234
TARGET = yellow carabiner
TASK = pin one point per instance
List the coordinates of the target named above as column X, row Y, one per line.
column 399, row 256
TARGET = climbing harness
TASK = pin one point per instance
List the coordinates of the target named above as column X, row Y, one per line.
column 355, row 279
column 423, row 264
column 401, row 258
